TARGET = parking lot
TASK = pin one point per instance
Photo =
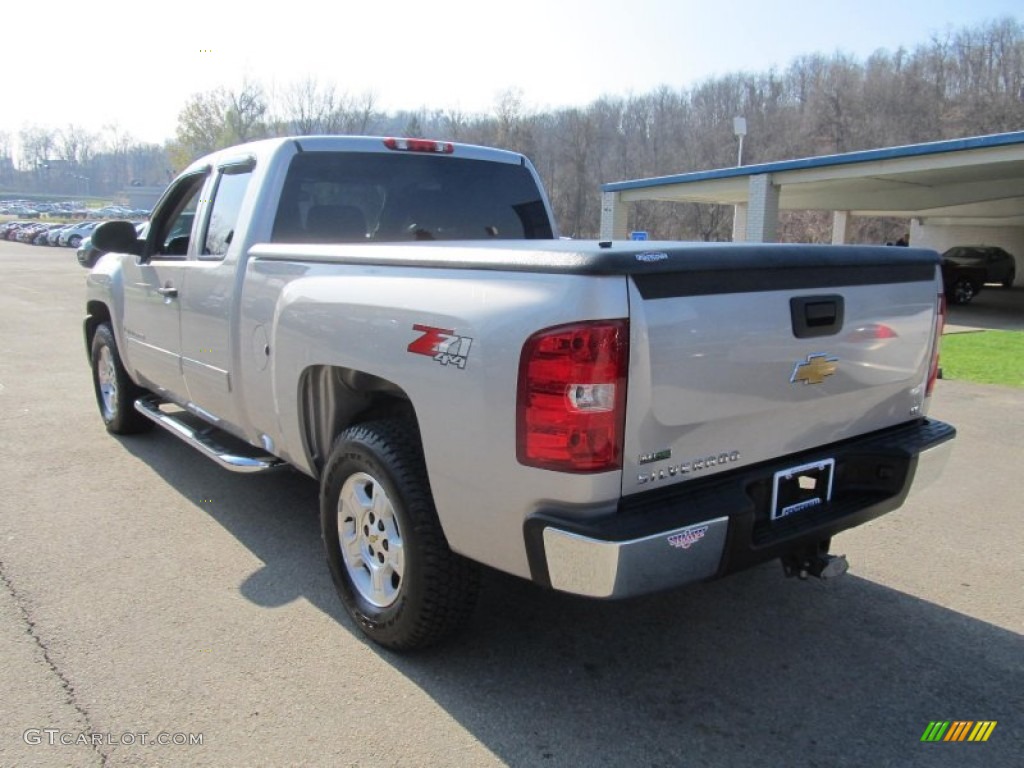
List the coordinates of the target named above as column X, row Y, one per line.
column 146, row 591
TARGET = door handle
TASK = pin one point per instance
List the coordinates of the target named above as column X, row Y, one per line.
column 816, row 315
column 168, row 292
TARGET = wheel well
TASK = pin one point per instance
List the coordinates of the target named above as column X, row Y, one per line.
column 332, row 398
column 96, row 312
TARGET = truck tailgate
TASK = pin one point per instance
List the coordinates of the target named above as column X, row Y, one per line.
column 731, row 365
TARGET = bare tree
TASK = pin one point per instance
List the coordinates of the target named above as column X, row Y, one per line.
column 312, row 107
column 510, row 113
column 6, row 159
column 245, row 113
column 76, row 146
column 454, row 121
column 360, row 114
column 37, row 145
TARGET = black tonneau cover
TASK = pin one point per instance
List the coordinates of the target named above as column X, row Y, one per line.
column 699, row 268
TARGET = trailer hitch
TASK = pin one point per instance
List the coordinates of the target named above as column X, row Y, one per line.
column 814, row 561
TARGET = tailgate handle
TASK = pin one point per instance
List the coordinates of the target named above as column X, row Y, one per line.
column 816, row 315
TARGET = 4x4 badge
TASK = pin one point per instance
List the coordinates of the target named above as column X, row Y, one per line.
column 814, row 369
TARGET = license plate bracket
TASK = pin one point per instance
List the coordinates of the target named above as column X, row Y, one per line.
column 799, row 488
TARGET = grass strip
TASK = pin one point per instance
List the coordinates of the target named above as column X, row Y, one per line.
column 985, row 357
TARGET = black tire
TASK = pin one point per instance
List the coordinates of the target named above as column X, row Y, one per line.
column 74, row 241
column 115, row 391
column 435, row 591
column 1009, row 281
column 962, row 291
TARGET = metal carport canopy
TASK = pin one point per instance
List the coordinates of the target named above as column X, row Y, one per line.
column 973, row 181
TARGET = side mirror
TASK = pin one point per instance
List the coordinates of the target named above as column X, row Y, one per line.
column 118, row 237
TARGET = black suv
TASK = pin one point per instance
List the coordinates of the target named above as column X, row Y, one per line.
column 999, row 265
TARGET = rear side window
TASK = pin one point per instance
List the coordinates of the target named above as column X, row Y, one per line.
column 332, row 197
column 227, row 202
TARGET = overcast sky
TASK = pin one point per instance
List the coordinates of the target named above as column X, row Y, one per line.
column 134, row 64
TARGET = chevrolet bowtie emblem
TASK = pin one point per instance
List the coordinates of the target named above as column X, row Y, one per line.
column 814, row 369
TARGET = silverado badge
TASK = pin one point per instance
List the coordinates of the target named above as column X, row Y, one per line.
column 687, row 538
column 814, row 369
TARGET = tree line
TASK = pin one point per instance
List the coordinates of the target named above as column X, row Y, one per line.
column 960, row 83
column 75, row 162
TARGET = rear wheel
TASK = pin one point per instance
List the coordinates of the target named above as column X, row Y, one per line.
column 388, row 556
column 75, row 240
column 963, row 291
column 1010, row 279
column 115, row 391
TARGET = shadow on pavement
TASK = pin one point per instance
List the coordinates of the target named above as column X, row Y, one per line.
column 750, row 671
column 994, row 308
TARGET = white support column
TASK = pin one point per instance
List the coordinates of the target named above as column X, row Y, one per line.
column 613, row 217
column 739, row 222
column 763, row 215
column 916, row 230
column 840, row 227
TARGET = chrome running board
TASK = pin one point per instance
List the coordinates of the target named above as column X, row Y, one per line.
column 204, row 440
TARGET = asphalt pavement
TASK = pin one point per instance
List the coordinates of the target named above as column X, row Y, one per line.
column 994, row 309
column 148, row 596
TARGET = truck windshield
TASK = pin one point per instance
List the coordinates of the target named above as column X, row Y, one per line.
column 349, row 197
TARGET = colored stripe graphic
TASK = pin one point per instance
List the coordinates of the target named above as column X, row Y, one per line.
column 935, row 730
column 959, row 730
column 982, row 730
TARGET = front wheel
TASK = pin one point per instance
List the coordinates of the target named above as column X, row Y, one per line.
column 74, row 241
column 388, row 556
column 115, row 391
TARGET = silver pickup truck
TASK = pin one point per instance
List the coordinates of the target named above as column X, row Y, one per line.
column 398, row 319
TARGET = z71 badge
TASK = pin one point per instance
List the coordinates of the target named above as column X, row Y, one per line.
column 442, row 345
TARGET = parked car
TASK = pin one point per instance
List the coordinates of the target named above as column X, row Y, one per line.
column 87, row 255
column 999, row 266
column 8, row 228
column 111, row 212
column 27, row 233
column 73, row 236
column 43, row 234
column 53, row 237
column 23, row 211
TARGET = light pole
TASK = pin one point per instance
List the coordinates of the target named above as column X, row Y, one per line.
column 739, row 127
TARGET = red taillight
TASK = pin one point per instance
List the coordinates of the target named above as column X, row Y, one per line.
column 572, row 397
column 872, row 332
column 940, row 324
column 420, row 145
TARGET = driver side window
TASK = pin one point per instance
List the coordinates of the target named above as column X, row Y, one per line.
column 171, row 228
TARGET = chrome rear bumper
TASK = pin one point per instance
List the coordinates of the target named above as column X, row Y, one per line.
column 930, row 464
column 595, row 568
column 703, row 529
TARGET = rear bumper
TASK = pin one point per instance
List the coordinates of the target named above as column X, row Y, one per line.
column 708, row 528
